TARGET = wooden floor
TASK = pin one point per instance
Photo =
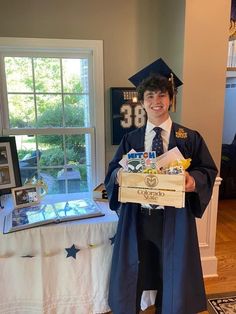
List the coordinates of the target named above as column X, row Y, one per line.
column 225, row 251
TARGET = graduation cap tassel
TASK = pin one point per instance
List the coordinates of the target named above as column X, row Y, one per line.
column 173, row 106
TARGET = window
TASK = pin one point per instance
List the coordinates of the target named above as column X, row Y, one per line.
column 231, row 62
column 52, row 102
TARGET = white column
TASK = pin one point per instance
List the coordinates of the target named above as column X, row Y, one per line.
column 207, row 234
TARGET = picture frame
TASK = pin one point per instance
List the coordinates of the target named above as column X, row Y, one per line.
column 127, row 112
column 25, row 196
column 9, row 165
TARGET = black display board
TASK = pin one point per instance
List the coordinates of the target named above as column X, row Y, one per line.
column 126, row 112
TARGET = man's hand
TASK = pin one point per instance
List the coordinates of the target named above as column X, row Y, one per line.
column 118, row 175
column 190, row 185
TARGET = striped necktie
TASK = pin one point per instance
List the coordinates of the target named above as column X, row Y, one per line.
column 157, row 143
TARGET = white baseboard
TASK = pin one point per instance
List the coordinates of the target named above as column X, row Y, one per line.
column 209, row 266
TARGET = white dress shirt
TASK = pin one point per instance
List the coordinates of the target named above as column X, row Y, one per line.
column 165, row 134
column 149, row 135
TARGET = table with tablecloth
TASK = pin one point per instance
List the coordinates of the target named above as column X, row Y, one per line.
column 37, row 275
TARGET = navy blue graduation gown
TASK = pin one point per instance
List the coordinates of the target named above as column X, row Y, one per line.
column 183, row 286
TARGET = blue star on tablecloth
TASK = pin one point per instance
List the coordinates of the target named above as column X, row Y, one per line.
column 72, row 251
column 112, row 239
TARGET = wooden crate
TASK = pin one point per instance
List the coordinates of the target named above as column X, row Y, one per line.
column 159, row 189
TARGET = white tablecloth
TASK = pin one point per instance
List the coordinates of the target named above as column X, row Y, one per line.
column 36, row 276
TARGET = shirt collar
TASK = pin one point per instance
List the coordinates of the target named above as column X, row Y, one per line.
column 166, row 126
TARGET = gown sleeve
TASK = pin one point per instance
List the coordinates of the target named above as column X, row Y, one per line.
column 204, row 171
column 110, row 182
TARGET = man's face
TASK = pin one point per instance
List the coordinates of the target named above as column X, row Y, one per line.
column 156, row 104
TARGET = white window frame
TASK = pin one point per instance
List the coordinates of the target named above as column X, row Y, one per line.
column 11, row 45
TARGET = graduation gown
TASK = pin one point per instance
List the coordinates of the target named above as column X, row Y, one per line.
column 183, row 286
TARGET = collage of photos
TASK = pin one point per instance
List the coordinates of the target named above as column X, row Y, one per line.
column 9, row 165
column 5, row 177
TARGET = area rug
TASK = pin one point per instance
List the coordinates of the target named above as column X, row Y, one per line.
column 222, row 303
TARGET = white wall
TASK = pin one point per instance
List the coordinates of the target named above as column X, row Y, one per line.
column 204, row 74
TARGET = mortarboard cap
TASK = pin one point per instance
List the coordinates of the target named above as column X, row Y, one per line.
column 158, row 67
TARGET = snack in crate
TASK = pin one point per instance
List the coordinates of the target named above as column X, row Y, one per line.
column 176, row 166
column 150, row 171
column 173, row 170
column 185, row 163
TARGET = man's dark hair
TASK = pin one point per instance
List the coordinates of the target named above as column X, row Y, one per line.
column 155, row 83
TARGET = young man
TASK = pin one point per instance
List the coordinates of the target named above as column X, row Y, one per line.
column 157, row 248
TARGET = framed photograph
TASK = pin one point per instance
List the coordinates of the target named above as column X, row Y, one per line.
column 9, row 165
column 25, row 196
column 127, row 113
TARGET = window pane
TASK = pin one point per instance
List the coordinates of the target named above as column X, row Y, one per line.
column 69, row 179
column 78, row 160
column 49, row 111
column 51, row 148
column 75, row 75
column 18, row 74
column 28, row 156
column 21, row 111
column 76, row 111
column 76, row 149
column 49, row 177
column 47, row 75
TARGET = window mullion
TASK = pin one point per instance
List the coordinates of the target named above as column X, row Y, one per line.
column 48, row 131
column 4, row 122
column 34, row 92
column 62, row 94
